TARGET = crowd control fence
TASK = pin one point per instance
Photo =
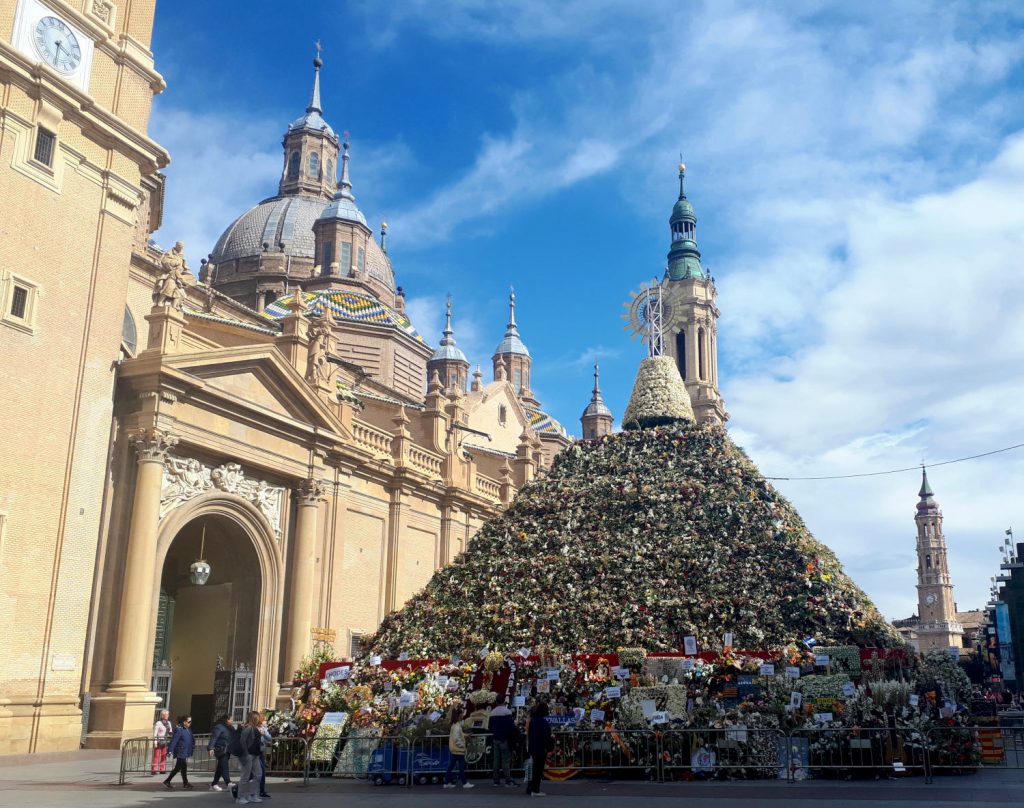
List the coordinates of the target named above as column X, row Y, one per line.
column 693, row 753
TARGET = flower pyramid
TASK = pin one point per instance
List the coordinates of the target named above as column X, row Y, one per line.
column 640, row 539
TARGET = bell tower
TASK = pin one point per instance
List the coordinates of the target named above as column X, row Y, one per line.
column 938, row 627
column 692, row 330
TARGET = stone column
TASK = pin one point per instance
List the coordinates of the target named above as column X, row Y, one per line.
column 134, row 654
column 301, row 574
column 125, row 708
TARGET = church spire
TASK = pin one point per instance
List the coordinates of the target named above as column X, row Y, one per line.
column 345, row 186
column 448, row 360
column 683, row 256
column 927, row 497
column 513, row 356
column 314, row 99
column 597, row 418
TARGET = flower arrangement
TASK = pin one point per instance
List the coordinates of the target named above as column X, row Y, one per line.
column 659, row 395
column 481, row 698
column 676, row 516
column 632, row 658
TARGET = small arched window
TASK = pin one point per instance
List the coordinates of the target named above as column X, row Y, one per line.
column 293, row 166
column 502, row 414
column 330, row 171
column 681, row 353
column 927, row 562
column 129, row 335
column 702, row 370
column 314, row 165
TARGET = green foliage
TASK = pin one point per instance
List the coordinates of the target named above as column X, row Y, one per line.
column 940, row 669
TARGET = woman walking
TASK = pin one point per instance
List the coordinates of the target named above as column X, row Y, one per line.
column 162, row 730
column 181, row 748
column 539, row 743
column 220, row 747
column 248, row 751
column 457, row 750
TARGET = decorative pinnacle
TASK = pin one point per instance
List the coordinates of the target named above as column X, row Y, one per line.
column 682, row 177
column 597, row 387
column 383, row 237
column 511, row 307
column 314, row 100
column 345, row 186
column 926, row 489
column 448, row 338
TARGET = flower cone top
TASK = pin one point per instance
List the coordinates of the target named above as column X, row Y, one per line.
column 659, row 395
column 639, row 539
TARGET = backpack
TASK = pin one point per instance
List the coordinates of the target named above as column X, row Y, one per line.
column 235, row 744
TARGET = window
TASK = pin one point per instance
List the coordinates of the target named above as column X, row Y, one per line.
column 314, row 165
column 502, row 414
column 293, row 166
column 362, row 259
column 517, row 376
column 17, row 301
column 346, row 257
column 356, row 645
column 681, row 353
column 45, row 143
column 330, row 171
column 327, row 258
column 702, row 371
column 129, row 334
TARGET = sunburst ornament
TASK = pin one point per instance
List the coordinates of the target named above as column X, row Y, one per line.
column 650, row 315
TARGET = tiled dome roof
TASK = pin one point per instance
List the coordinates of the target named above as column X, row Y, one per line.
column 345, row 305
column 544, row 424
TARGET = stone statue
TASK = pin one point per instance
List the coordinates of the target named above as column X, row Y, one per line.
column 318, row 368
column 169, row 289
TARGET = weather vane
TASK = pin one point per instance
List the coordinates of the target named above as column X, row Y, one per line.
column 319, row 48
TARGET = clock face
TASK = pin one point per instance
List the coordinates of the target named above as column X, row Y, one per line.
column 57, row 45
column 931, row 598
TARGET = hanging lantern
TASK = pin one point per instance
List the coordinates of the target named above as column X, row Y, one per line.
column 199, row 572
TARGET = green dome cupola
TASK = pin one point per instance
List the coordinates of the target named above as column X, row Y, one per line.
column 683, row 255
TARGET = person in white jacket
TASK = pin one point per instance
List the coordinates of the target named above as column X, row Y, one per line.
column 162, row 730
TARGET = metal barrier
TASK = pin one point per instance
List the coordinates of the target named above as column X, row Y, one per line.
column 604, row 751
column 287, row 757
column 709, row 752
column 137, row 757
column 382, row 761
column 956, row 750
column 848, row 752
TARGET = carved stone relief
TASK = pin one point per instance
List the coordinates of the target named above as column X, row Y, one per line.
column 186, row 478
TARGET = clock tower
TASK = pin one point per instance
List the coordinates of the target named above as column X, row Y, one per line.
column 937, row 609
column 80, row 192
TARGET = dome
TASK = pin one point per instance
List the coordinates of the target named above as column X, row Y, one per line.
column 312, row 121
column 544, row 424
column 597, row 408
column 512, row 344
column 682, row 210
column 283, row 222
column 451, row 353
column 345, row 209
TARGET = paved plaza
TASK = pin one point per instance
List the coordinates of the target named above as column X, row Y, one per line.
column 89, row 779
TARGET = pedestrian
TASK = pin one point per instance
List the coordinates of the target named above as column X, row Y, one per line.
column 504, row 735
column 265, row 739
column 457, row 750
column 220, row 747
column 247, row 750
column 181, row 748
column 162, row 730
column 539, row 742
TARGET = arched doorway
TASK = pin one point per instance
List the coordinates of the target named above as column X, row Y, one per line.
column 214, row 643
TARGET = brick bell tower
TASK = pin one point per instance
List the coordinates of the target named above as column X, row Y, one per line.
column 938, row 627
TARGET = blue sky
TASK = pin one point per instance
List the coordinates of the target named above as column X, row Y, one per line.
column 857, row 172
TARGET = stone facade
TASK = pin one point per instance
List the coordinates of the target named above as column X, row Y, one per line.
column 272, row 418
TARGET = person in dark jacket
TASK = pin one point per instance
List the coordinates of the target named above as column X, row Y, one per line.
column 539, row 741
column 220, row 747
column 181, row 748
column 248, row 750
column 503, row 729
